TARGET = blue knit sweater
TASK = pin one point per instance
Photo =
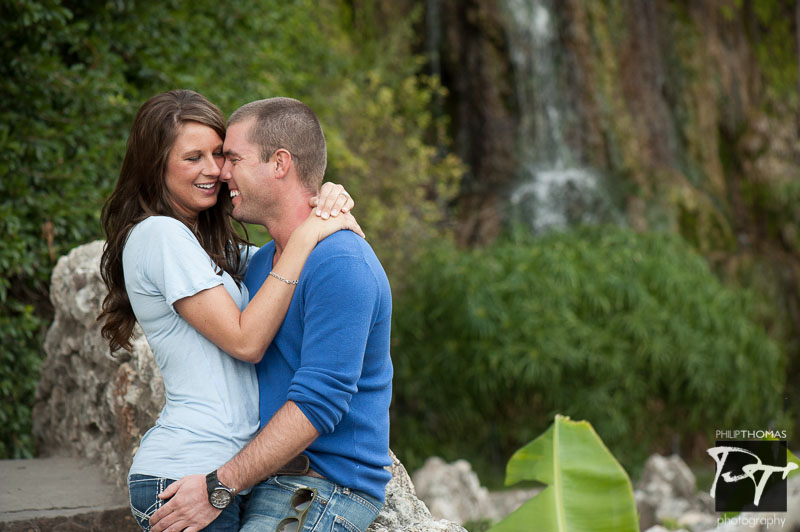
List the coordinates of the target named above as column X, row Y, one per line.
column 331, row 357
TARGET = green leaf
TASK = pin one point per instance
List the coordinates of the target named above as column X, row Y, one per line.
column 791, row 458
column 588, row 490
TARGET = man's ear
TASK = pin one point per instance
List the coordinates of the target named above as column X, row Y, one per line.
column 283, row 162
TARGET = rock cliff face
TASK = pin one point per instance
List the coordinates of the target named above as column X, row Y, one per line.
column 97, row 406
column 476, row 69
column 676, row 116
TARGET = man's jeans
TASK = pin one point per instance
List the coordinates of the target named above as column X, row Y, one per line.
column 143, row 490
column 334, row 508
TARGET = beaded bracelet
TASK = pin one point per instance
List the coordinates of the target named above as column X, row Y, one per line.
column 287, row 281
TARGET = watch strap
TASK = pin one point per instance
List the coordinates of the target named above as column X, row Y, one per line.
column 212, row 482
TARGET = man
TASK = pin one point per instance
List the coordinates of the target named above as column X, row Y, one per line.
column 325, row 382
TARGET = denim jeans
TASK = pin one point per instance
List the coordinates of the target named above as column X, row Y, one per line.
column 144, row 490
column 334, row 508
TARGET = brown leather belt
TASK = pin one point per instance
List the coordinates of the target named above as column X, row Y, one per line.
column 298, row 466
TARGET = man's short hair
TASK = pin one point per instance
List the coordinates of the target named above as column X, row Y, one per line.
column 292, row 125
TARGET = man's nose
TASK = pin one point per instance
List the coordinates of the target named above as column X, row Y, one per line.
column 225, row 172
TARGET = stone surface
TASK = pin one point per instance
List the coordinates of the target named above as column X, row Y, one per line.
column 696, row 521
column 453, row 491
column 666, row 492
column 70, row 493
column 93, row 405
column 474, row 58
column 403, row 511
column 117, row 520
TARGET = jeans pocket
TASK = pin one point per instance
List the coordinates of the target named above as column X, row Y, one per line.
column 143, row 491
column 340, row 524
column 350, row 512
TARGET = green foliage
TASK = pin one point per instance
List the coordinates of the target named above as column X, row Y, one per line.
column 586, row 488
column 19, row 370
column 61, row 137
column 773, row 34
column 74, row 73
column 478, row 525
column 779, row 62
column 630, row 331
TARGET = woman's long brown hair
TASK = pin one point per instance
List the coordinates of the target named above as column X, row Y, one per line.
column 141, row 192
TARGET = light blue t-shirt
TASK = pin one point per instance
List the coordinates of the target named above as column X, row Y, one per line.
column 211, row 408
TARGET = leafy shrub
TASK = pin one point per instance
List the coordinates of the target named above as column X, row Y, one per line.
column 61, row 137
column 631, row 332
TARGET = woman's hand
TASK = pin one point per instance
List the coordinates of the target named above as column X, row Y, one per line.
column 318, row 228
column 332, row 200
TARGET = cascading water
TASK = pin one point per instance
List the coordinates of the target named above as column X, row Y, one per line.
column 553, row 190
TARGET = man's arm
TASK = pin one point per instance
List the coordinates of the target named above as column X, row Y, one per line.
column 286, row 435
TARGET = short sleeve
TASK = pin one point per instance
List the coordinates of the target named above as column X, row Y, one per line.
column 247, row 252
column 171, row 260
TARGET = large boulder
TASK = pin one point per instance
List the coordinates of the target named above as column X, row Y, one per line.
column 90, row 403
column 95, row 405
column 667, row 493
column 454, row 492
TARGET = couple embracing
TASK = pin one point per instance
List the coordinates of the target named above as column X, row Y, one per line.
column 276, row 360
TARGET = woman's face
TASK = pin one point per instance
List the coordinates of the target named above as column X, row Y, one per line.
column 193, row 167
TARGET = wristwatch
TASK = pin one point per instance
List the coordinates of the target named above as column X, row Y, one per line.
column 219, row 495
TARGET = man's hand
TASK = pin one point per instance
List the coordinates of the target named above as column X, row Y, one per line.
column 188, row 510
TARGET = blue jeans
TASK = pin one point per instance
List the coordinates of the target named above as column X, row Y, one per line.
column 144, row 490
column 334, row 507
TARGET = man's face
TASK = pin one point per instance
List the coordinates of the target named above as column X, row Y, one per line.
column 247, row 177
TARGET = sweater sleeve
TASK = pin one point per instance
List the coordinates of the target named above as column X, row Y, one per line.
column 341, row 301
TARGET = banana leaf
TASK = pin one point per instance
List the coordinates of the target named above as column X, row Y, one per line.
column 587, row 489
column 792, row 458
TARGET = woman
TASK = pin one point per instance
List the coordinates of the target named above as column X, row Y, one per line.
column 169, row 238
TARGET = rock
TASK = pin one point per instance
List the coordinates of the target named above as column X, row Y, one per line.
column 93, row 405
column 659, row 528
column 90, row 403
column 453, row 491
column 671, row 472
column 671, row 509
column 667, row 492
column 697, row 521
column 506, row 501
column 403, row 511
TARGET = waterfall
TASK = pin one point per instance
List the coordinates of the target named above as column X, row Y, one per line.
column 553, row 190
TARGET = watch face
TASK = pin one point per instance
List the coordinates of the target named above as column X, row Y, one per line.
column 220, row 498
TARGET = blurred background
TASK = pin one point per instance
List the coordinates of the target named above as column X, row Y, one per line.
column 585, row 207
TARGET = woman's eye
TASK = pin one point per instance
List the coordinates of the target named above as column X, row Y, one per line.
column 193, row 159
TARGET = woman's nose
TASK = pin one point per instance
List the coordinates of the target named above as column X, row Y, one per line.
column 212, row 166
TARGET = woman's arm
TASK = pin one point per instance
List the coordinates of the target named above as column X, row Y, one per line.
column 246, row 335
